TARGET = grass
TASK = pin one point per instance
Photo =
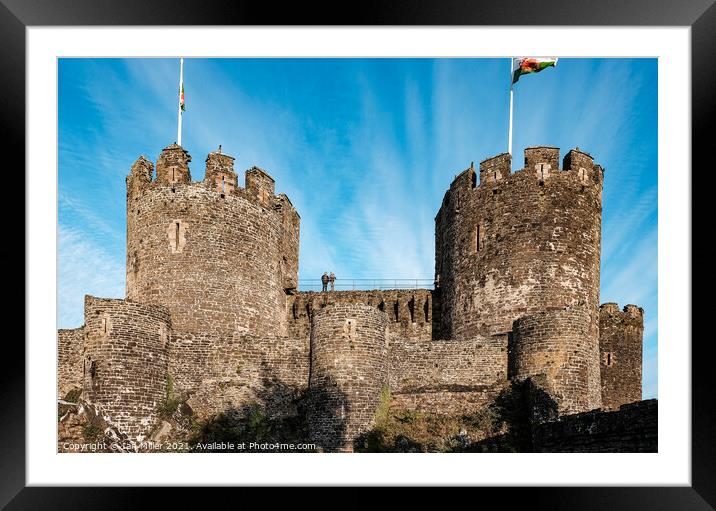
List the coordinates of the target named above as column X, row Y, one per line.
column 497, row 427
column 169, row 406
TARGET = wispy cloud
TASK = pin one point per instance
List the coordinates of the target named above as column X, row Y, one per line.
column 84, row 268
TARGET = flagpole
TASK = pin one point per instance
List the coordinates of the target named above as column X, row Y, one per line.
column 181, row 82
column 509, row 134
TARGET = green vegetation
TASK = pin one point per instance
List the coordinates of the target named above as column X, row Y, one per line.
column 72, row 396
column 91, row 433
column 499, row 427
column 250, row 424
column 169, row 406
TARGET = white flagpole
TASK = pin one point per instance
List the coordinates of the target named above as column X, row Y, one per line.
column 181, row 82
column 509, row 135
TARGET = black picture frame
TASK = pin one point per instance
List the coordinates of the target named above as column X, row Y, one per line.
column 17, row 15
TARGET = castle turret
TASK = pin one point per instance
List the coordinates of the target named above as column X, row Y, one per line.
column 125, row 362
column 219, row 257
column 559, row 345
column 348, row 372
column 518, row 243
column 525, row 246
column 620, row 343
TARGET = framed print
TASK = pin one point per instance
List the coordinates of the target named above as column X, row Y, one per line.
column 392, row 253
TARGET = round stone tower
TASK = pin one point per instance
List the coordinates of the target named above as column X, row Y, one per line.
column 519, row 243
column 125, row 361
column 220, row 257
column 559, row 345
column 621, row 335
column 348, row 373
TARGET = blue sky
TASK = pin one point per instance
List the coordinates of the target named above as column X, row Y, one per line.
column 364, row 148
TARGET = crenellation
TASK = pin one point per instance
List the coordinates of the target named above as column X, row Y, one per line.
column 496, row 168
column 260, row 185
column 542, row 158
column 173, row 166
column 219, row 174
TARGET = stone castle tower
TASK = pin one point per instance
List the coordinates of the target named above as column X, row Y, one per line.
column 240, row 244
column 212, row 311
column 525, row 246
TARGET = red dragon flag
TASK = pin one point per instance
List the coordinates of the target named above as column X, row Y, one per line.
column 526, row 65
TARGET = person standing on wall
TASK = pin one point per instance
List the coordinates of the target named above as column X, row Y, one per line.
column 332, row 280
column 324, row 281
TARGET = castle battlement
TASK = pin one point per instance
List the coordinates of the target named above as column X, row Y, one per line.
column 541, row 161
column 172, row 171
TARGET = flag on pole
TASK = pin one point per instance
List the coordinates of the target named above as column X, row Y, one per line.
column 526, row 65
column 182, row 107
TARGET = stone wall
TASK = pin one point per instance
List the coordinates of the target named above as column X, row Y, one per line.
column 70, row 343
column 217, row 256
column 518, row 243
column 559, row 345
column 228, row 374
column 452, row 400
column 416, row 365
column 348, row 373
column 620, row 345
column 633, row 428
column 125, row 363
column 452, row 377
column 409, row 312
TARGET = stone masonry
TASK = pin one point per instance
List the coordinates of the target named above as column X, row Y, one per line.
column 212, row 312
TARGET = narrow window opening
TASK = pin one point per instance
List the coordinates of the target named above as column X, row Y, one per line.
column 608, row 359
column 176, row 236
column 477, row 238
column 411, row 309
column 223, row 189
column 381, row 306
column 395, row 310
column 426, row 309
column 174, row 176
column 104, row 325
column 294, row 310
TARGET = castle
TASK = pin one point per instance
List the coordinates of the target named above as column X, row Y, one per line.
column 212, row 309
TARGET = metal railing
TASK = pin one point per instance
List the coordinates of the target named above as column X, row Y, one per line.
column 366, row 284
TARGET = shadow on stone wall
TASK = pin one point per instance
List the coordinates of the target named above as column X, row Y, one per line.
column 279, row 414
column 502, row 426
column 276, row 416
column 327, row 409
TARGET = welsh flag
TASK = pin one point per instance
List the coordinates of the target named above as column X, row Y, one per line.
column 181, row 98
column 526, row 65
